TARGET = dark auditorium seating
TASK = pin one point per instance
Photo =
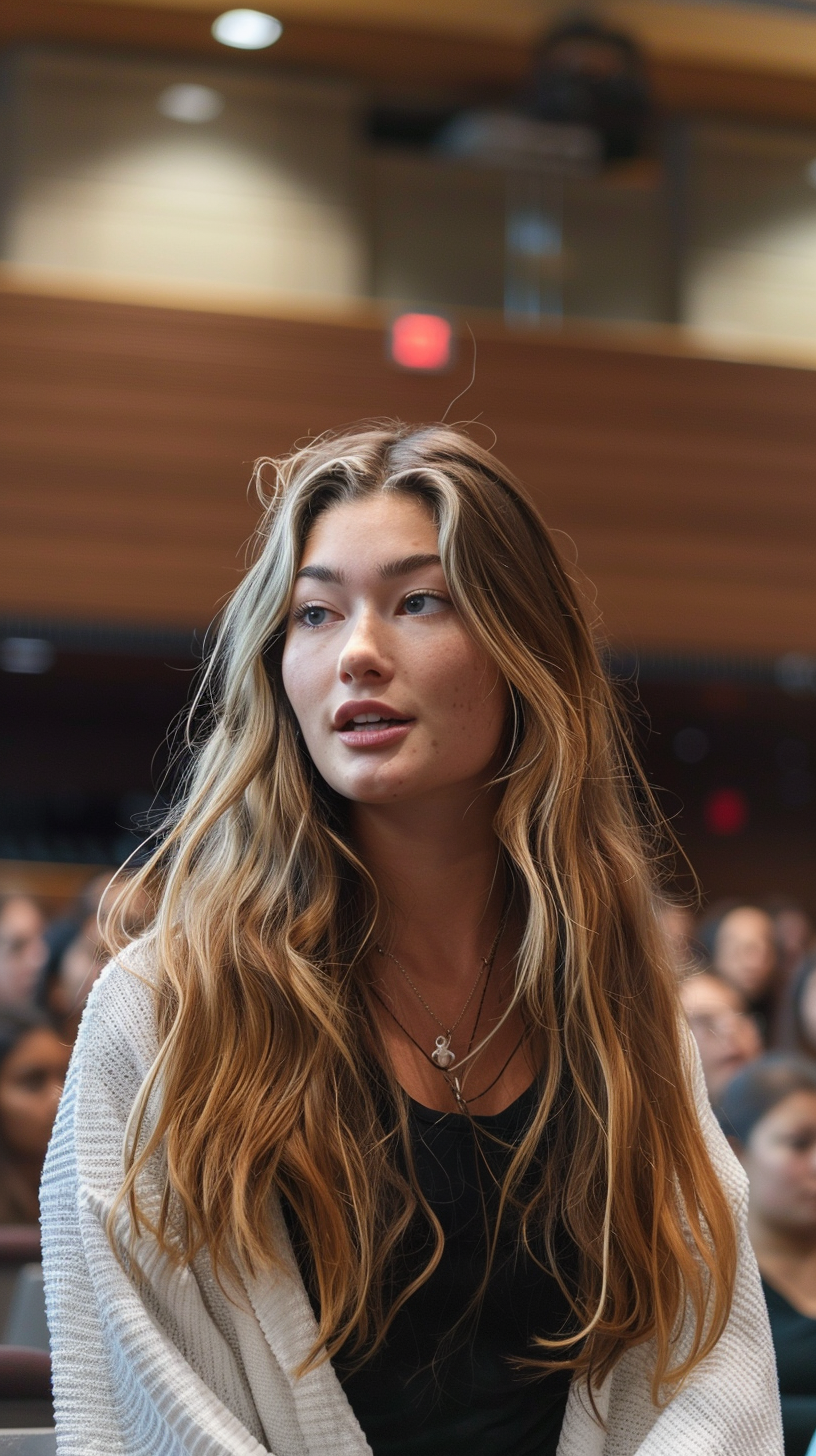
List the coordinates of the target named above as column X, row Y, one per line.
column 19, row 1245
column 24, row 1374
column 25, row 1388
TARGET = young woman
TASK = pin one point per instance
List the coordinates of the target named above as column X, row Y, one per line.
column 33, row 1064
column 769, row 1110
column 726, row 1033
column 23, row 949
column 386, row 1136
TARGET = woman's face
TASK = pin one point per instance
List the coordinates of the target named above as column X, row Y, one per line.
column 780, row 1160
column 745, row 951
column 31, row 1082
column 723, row 1029
column 394, row 699
column 23, row 951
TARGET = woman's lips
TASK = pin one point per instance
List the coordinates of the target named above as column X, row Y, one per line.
column 378, row 734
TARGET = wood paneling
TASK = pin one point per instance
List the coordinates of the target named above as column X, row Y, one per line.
column 447, row 62
column 450, row 62
column 56, row 886
column 269, row 194
column 685, row 485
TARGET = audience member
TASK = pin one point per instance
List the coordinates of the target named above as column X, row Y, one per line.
column 678, row 924
column 802, row 1003
column 77, row 970
column 78, row 951
column 62, row 931
column 793, row 931
column 23, row 949
column 723, row 1028
column 742, row 949
column 33, row 1064
column 769, row 1112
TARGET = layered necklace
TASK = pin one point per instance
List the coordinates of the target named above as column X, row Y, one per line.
column 443, row 1057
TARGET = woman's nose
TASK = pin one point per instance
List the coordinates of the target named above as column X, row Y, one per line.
column 364, row 655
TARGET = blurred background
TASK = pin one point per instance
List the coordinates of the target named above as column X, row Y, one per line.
column 204, row 248
column 594, row 230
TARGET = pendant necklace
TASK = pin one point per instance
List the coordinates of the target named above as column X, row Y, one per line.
column 461, row 1100
column 442, row 1055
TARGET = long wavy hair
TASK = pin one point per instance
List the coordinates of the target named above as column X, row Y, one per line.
column 265, row 915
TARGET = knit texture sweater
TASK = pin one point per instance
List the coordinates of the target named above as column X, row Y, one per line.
column 172, row 1366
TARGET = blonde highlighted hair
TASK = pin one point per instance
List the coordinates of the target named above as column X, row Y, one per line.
column 265, row 915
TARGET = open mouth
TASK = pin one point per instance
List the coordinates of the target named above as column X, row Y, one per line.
column 371, row 723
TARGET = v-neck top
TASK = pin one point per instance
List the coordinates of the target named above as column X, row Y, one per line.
column 441, row 1383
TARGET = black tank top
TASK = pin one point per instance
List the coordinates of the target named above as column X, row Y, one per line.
column 433, row 1388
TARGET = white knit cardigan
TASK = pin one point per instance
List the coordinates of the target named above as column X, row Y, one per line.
column 178, row 1368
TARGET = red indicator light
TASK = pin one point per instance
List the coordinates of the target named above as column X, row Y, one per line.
column 725, row 811
column 421, row 341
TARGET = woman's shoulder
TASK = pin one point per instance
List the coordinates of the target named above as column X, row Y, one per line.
column 115, row 1050
column 118, row 1034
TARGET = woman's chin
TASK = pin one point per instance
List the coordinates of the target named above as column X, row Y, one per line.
column 378, row 792
column 383, row 784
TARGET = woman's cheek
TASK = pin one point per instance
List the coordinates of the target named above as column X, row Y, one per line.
column 300, row 685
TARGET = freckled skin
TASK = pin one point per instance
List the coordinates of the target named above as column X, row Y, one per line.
column 397, row 640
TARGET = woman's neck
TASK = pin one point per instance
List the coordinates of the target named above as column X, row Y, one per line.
column 437, row 867
column 439, row 871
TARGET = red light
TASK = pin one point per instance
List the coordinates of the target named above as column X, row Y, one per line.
column 421, row 341
column 725, row 811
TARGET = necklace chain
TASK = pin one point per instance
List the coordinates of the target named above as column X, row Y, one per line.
column 453, row 1081
column 442, row 1056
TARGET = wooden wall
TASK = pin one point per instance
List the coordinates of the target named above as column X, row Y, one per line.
column 702, row 60
column 127, row 432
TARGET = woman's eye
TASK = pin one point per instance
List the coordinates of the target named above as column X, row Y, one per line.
column 423, row 604
column 312, row 616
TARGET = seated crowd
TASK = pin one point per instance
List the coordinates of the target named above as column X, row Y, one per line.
column 747, row 982
column 747, row 985
column 46, row 972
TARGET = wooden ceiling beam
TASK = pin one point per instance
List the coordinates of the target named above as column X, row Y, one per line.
column 691, row 88
column 412, row 60
column 457, row 66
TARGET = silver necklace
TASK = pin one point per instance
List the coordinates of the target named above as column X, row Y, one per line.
column 442, row 1055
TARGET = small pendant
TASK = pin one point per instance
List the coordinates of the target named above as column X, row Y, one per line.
column 442, row 1055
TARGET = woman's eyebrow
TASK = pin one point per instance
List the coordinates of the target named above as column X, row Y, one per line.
column 322, row 573
column 403, row 566
column 406, row 564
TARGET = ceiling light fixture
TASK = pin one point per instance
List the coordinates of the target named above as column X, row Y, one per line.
column 247, row 30
column 190, row 103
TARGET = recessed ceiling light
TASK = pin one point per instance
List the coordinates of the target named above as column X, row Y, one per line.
column 247, row 30
column 190, row 103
